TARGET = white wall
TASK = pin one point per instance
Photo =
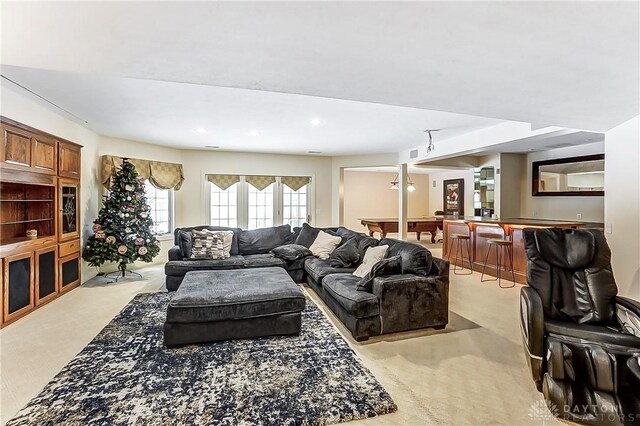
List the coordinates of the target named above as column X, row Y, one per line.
column 436, row 192
column 367, row 194
column 562, row 208
column 622, row 204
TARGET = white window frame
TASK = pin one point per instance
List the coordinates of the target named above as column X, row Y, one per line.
column 243, row 197
column 171, row 211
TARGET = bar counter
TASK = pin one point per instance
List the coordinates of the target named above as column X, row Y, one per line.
column 482, row 229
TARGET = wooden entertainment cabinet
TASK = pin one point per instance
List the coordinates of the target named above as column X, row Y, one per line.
column 39, row 192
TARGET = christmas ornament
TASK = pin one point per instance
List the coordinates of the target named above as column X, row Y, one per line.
column 100, row 235
column 142, row 251
column 111, row 239
column 139, row 241
column 129, row 187
column 122, row 249
column 144, row 215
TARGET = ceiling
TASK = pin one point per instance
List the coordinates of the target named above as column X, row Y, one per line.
column 171, row 114
column 155, row 65
column 545, row 142
column 394, row 169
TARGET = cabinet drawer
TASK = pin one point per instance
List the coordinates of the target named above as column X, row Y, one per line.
column 65, row 249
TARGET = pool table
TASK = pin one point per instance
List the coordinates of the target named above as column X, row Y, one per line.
column 418, row 225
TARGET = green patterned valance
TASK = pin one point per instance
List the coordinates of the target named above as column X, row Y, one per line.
column 295, row 182
column 260, row 182
column 161, row 175
column 223, row 181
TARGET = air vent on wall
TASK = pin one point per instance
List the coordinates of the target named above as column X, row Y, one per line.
column 413, row 153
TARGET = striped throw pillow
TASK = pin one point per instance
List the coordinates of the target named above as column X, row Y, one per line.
column 207, row 245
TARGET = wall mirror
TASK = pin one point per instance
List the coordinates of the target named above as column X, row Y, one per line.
column 483, row 191
column 581, row 176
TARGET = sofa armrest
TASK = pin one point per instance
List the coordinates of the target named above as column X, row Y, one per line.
column 440, row 267
column 409, row 301
column 175, row 253
column 628, row 315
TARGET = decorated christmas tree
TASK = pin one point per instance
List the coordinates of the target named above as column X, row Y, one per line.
column 122, row 231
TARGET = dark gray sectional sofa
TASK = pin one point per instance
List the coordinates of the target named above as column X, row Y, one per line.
column 417, row 298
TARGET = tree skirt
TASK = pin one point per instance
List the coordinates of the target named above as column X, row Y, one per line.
column 127, row 376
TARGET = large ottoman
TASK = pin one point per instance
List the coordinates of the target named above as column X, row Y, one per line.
column 233, row 304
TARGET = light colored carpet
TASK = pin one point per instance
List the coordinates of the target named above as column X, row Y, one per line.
column 473, row 372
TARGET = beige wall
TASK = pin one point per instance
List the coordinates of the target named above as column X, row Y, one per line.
column 198, row 163
column 562, row 208
column 338, row 164
column 622, row 204
column 367, row 194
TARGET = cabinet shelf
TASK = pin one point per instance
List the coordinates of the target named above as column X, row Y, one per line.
column 26, row 221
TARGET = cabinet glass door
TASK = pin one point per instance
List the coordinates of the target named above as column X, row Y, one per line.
column 69, row 202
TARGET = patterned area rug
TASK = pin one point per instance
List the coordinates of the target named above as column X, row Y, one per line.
column 126, row 376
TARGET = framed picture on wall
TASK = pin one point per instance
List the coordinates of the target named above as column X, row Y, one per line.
column 453, row 196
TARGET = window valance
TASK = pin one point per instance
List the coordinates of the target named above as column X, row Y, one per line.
column 161, row 175
column 260, row 182
column 295, row 182
column 223, row 181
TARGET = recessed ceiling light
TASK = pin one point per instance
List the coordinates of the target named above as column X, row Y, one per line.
column 254, row 133
column 314, row 152
column 212, row 146
column 201, row 130
column 315, row 121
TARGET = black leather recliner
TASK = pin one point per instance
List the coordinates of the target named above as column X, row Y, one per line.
column 582, row 341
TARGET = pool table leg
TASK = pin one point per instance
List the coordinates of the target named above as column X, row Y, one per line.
column 418, row 235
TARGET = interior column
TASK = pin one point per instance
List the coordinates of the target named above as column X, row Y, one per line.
column 402, row 202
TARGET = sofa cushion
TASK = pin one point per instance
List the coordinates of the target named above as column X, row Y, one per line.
column 372, row 256
column 262, row 260
column 389, row 266
column 291, row 252
column 325, row 244
column 185, row 242
column 318, row 268
column 346, row 255
column 221, row 295
column 181, row 267
column 415, row 259
column 364, row 242
column 263, row 240
column 234, row 241
column 307, row 235
column 342, row 287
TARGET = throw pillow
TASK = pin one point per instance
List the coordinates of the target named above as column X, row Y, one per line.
column 307, row 235
column 345, row 255
column 324, row 245
column 185, row 242
column 291, row 252
column 227, row 239
column 206, row 245
column 372, row 256
column 388, row 266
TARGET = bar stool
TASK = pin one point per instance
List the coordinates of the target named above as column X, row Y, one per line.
column 456, row 241
column 501, row 246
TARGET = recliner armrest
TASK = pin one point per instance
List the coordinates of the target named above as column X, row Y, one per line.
column 175, row 253
column 532, row 329
column 628, row 315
